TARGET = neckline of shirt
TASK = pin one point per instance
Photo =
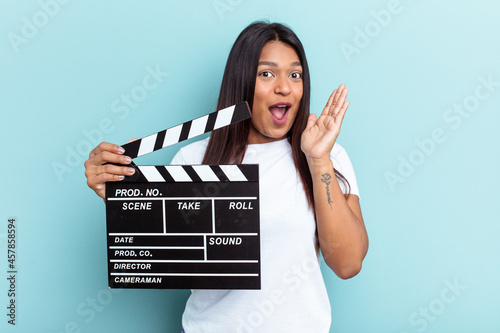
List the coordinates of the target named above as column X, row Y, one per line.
column 268, row 145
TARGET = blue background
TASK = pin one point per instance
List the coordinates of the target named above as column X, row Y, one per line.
column 434, row 227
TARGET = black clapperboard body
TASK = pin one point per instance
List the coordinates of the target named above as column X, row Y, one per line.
column 185, row 226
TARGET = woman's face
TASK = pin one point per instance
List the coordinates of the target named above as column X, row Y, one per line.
column 278, row 91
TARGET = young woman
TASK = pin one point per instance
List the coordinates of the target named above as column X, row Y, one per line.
column 309, row 198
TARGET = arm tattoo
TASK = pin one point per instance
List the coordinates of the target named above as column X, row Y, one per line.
column 325, row 178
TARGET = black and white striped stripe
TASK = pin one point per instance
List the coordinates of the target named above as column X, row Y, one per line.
column 188, row 130
column 196, row 173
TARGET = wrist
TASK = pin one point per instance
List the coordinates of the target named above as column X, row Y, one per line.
column 319, row 164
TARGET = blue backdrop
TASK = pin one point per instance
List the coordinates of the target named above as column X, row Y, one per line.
column 424, row 80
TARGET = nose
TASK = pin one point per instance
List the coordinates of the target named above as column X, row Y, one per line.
column 282, row 86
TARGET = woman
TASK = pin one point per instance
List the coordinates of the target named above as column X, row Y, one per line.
column 302, row 208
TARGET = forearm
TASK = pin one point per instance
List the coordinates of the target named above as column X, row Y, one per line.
column 342, row 235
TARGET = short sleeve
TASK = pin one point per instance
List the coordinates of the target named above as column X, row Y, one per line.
column 342, row 164
column 191, row 154
column 178, row 159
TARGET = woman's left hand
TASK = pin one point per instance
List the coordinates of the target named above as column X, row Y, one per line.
column 321, row 133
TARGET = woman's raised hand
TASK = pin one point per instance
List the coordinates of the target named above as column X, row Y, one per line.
column 321, row 133
column 98, row 172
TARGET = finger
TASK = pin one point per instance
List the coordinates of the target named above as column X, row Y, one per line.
column 109, row 157
column 114, row 170
column 328, row 105
column 98, row 183
column 101, row 191
column 341, row 96
column 100, row 180
column 132, row 140
column 106, row 146
column 340, row 103
column 98, row 175
column 335, row 101
column 108, row 173
column 339, row 91
column 311, row 120
column 340, row 115
column 335, row 98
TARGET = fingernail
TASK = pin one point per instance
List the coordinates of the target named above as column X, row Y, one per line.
column 130, row 170
column 127, row 160
column 120, row 177
column 120, row 150
column 100, row 186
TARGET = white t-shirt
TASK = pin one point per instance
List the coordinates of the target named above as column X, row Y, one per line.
column 293, row 297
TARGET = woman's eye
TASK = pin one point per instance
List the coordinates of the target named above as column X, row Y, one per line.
column 265, row 74
column 296, row 75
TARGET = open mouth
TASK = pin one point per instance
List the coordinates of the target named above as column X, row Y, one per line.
column 279, row 112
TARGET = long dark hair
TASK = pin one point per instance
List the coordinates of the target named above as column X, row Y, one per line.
column 227, row 145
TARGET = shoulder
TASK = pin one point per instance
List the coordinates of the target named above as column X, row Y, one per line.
column 192, row 153
column 338, row 154
column 342, row 163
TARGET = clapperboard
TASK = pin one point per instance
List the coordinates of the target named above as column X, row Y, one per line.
column 185, row 226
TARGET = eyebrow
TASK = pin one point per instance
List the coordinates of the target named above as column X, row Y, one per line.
column 273, row 64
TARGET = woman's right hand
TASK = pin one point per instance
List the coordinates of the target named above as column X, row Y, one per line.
column 98, row 172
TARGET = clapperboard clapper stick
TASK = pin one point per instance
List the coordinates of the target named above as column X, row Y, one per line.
column 185, row 226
